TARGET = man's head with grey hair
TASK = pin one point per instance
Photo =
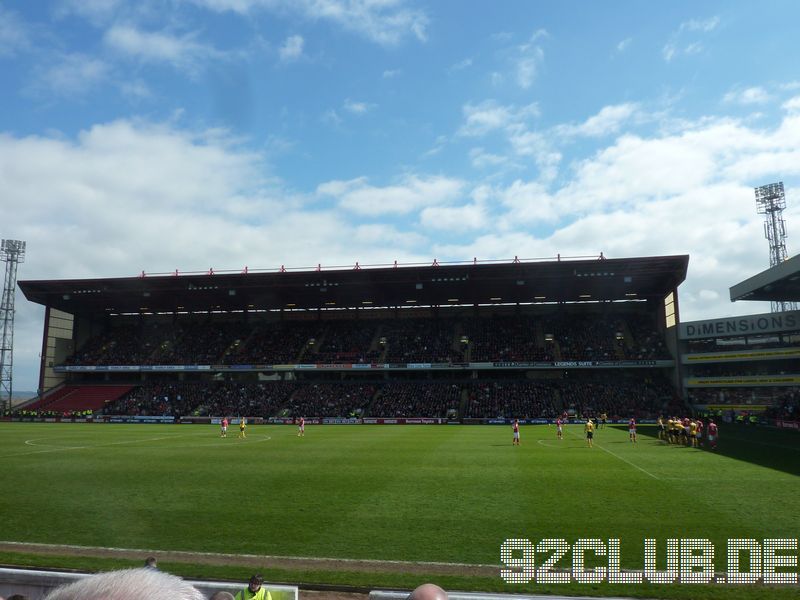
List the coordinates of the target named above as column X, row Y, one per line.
column 130, row 584
column 428, row 591
column 222, row 596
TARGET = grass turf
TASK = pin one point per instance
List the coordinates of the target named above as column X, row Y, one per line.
column 410, row 493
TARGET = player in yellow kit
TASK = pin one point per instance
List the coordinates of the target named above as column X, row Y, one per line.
column 589, row 429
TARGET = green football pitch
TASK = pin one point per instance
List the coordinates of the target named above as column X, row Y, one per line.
column 447, row 494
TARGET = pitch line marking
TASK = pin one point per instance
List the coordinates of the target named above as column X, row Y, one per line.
column 548, row 444
column 139, row 552
column 66, row 448
column 622, row 459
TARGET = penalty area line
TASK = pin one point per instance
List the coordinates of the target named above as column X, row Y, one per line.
column 615, row 455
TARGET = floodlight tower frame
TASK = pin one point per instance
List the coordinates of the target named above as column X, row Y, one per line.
column 12, row 252
column 771, row 200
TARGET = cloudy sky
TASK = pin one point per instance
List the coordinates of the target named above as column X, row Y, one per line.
column 186, row 134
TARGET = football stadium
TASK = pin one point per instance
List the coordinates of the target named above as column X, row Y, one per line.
column 504, row 429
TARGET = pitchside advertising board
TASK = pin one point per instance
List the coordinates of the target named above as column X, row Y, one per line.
column 569, row 364
column 739, row 326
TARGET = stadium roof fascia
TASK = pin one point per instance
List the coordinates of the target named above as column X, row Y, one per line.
column 780, row 283
column 431, row 284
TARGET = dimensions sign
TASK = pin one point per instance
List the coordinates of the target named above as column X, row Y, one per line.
column 733, row 326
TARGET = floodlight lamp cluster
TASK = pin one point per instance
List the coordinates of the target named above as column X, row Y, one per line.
column 770, row 198
column 12, row 250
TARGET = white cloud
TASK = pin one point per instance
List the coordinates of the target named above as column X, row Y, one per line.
column 455, row 218
column 678, row 45
column 668, row 51
column 357, row 108
column 181, row 52
column 608, row 121
column 70, row 75
column 540, row 147
column 378, row 235
column 461, row 65
column 292, row 48
column 702, row 25
column 407, row 196
column 441, row 142
column 624, row 45
column 136, row 90
column 489, row 116
column 792, row 105
column 481, row 159
column 708, row 295
column 391, row 73
column 331, row 117
column 529, row 60
column 747, row 96
column 385, row 22
column 526, row 203
column 96, row 11
column 14, row 34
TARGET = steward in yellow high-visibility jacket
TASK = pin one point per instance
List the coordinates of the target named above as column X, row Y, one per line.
column 254, row 591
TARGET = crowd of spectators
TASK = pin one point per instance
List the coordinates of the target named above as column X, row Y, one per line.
column 584, row 337
column 739, row 395
column 756, row 342
column 786, row 405
column 348, row 341
column 412, row 399
column 766, row 368
column 199, row 344
column 274, row 343
column 618, row 399
column 506, row 398
column 506, row 339
column 216, row 398
column 421, row 341
column 330, row 399
column 521, row 338
column 159, row 399
column 645, row 342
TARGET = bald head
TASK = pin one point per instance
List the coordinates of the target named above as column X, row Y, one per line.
column 130, row 584
column 428, row 591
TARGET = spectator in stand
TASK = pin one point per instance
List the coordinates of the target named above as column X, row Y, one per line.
column 129, row 584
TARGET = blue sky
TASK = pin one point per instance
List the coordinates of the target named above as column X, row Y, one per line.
column 189, row 134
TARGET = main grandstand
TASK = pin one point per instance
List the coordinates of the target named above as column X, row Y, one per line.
column 466, row 341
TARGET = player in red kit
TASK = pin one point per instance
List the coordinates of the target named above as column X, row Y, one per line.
column 301, row 427
column 632, row 430
column 224, row 427
column 515, row 427
column 559, row 430
column 712, row 435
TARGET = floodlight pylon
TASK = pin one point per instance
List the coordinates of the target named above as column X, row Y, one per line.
column 771, row 200
column 12, row 252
